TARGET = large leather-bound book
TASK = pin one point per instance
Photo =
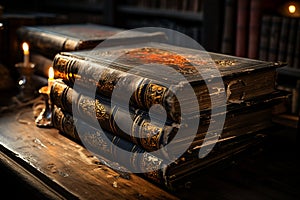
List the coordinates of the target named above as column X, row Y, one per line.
column 150, row 134
column 243, row 78
column 51, row 39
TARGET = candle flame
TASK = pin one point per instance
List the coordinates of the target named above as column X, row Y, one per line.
column 292, row 8
column 25, row 46
column 51, row 73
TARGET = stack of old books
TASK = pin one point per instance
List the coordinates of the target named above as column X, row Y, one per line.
column 162, row 110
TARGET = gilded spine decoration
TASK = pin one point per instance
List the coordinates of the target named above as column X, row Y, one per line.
column 97, row 111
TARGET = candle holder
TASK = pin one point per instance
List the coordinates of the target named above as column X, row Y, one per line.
column 45, row 117
column 27, row 90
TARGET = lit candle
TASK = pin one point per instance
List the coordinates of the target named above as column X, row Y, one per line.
column 50, row 78
column 26, row 54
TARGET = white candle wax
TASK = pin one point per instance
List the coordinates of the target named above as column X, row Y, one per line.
column 50, row 78
column 26, row 54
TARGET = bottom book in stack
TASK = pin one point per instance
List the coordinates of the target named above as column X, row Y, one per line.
column 242, row 129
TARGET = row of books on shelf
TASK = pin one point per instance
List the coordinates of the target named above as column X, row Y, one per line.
column 178, row 5
column 251, row 32
column 280, row 40
column 164, row 149
column 192, row 30
column 241, row 27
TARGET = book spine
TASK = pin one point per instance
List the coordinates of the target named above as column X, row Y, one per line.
column 106, row 145
column 98, row 111
column 229, row 27
column 274, row 38
column 284, row 36
column 295, row 107
column 146, row 93
column 265, row 37
column 254, row 27
column 242, row 29
column 291, row 42
column 296, row 63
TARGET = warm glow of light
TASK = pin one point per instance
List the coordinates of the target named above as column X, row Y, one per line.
column 25, row 47
column 292, row 8
column 51, row 78
column 51, row 73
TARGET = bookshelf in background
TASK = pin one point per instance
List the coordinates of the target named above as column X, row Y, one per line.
column 199, row 19
column 242, row 27
column 254, row 27
column 260, row 30
column 267, row 30
column 79, row 11
column 280, row 39
column 229, row 33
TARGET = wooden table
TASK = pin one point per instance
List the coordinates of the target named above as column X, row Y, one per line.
column 58, row 168
column 55, row 167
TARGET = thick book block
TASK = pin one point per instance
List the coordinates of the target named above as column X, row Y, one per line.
column 51, row 39
column 243, row 78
